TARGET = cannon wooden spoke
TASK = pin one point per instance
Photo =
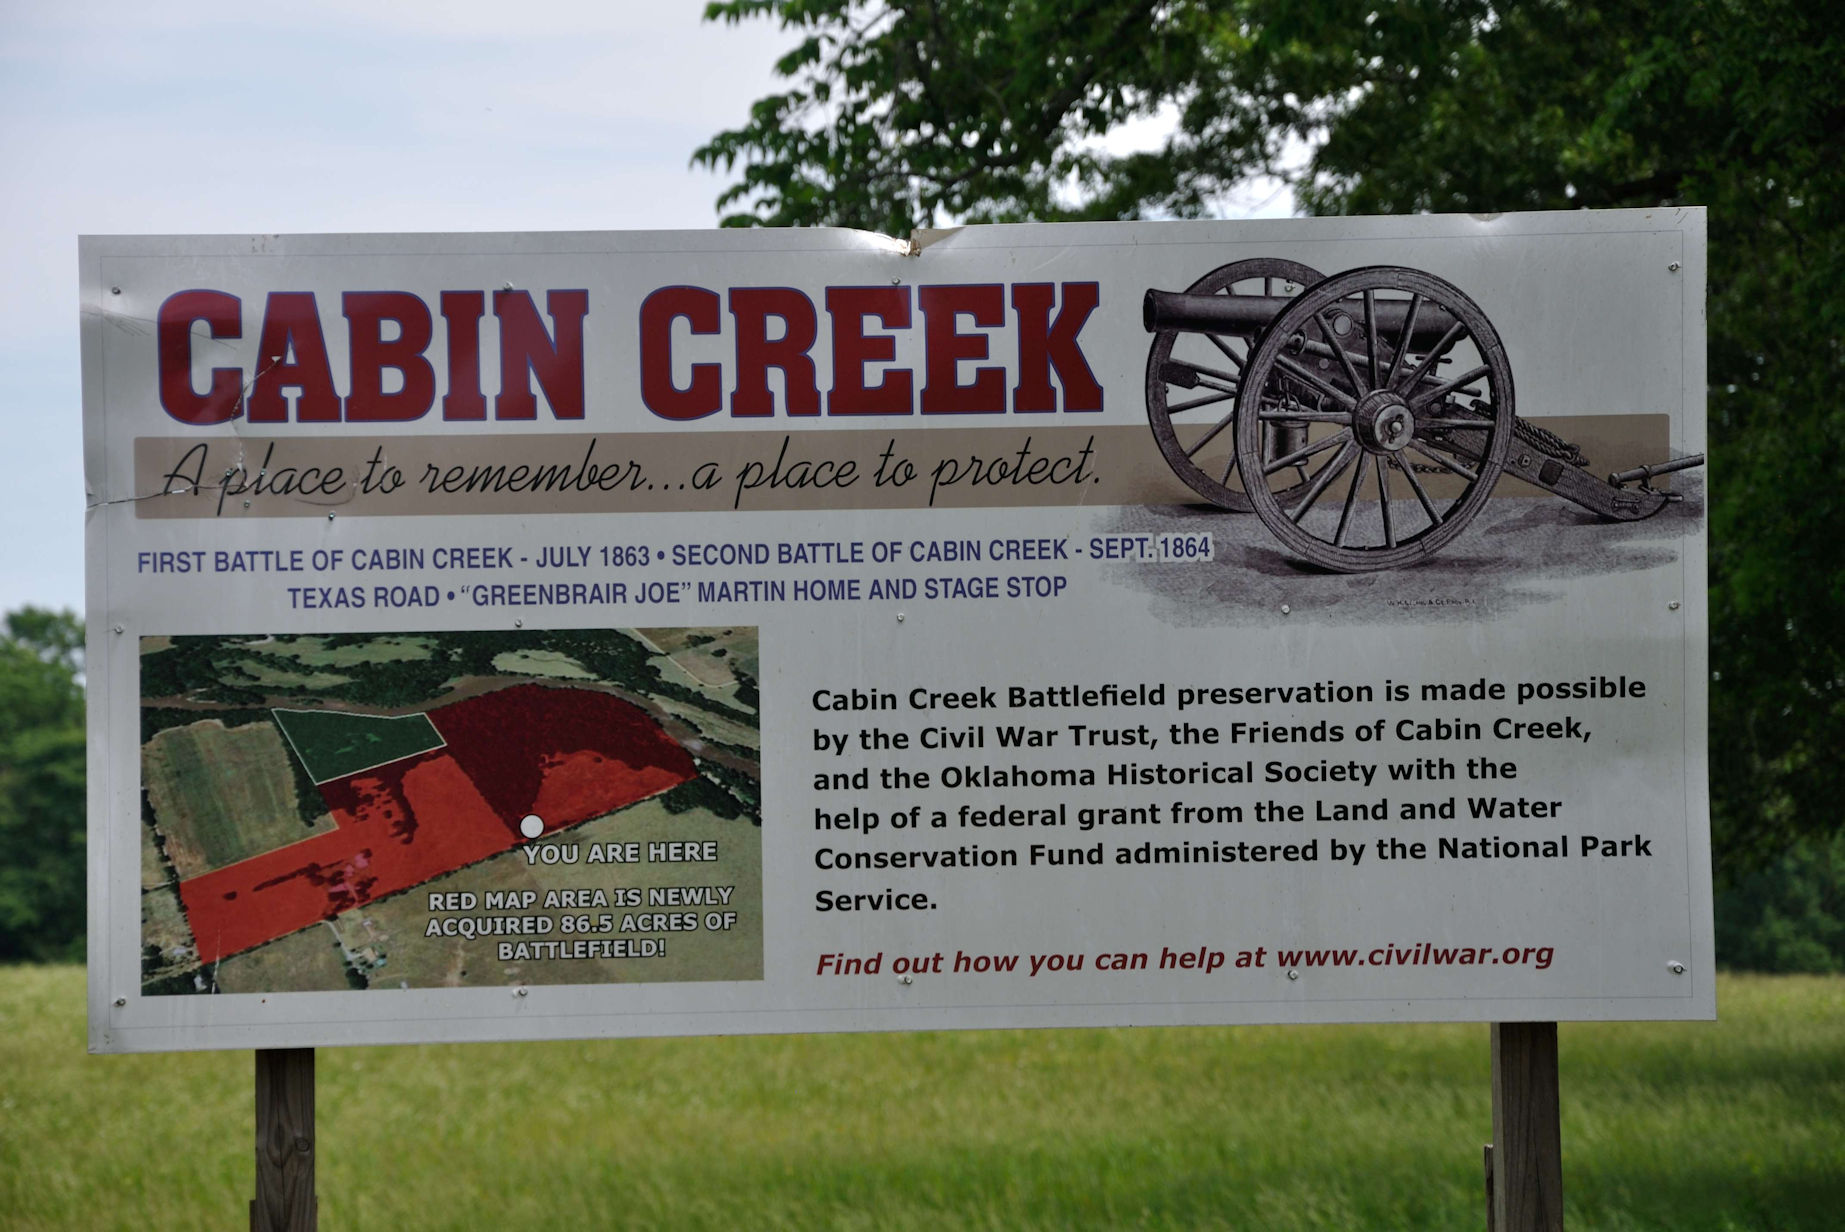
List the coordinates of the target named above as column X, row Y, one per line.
column 1330, row 327
column 1194, row 433
column 1371, row 336
column 1434, row 356
column 1191, row 376
column 1385, row 332
column 1422, row 495
column 1351, row 500
column 1461, row 425
column 1315, row 381
column 1322, row 480
column 1402, row 347
column 1445, row 462
column 1199, row 445
column 1291, row 416
column 1220, row 344
column 1307, row 451
column 1423, row 397
column 1192, row 404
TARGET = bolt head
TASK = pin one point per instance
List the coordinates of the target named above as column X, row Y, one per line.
column 1674, row 267
column 906, row 979
column 1676, row 967
column 1285, row 609
column 1673, row 605
column 120, row 1002
column 519, row 992
column 1293, row 975
column 120, row 629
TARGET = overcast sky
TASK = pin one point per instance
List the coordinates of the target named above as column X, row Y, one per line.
column 341, row 115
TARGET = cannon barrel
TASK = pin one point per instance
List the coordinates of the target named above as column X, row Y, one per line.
column 1248, row 315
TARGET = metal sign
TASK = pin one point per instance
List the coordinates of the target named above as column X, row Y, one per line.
column 536, row 636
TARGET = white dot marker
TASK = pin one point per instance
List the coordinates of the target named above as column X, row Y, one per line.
column 532, row 825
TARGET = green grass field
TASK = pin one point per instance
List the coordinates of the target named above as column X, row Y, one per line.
column 1735, row 1125
column 333, row 744
column 222, row 796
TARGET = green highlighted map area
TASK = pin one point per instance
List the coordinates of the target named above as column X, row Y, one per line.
column 333, row 744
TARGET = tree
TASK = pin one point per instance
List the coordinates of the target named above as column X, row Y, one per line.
column 911, row 113
column 1788, row 915
column 42, row 803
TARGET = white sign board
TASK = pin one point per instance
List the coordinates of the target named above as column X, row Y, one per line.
column 534, row 636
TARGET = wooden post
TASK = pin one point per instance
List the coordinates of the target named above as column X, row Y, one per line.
column 285, row 1199
column 1492, row 1223
column 1527, row 1150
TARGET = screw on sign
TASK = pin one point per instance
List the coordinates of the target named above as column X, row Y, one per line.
column 1274, row 390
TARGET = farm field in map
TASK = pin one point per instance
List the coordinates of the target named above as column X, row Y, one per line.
column 332, row 744
column 297, row 790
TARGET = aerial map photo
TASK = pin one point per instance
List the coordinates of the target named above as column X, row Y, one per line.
column 452, row 809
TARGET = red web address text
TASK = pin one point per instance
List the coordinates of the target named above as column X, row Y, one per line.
column 1423, row 954
column 1202, row 959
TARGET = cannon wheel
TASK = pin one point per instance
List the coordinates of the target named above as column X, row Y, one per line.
column 1377, row 406
column 1200, row 386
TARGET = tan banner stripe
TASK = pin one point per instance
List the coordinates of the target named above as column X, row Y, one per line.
column 679, row 472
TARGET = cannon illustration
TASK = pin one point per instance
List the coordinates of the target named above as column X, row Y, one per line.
column 1325, row 404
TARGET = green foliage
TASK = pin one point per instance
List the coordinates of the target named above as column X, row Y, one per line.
column 186, row 667
column 700, row 792
column 41, row 669
column 912, row 113
column 173, row 984
column 900, row 112
column 746, row 791
column 1789, row 916
column 42, row 801
column 719, row 790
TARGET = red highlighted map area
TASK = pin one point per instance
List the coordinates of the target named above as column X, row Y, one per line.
column 565, row 754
